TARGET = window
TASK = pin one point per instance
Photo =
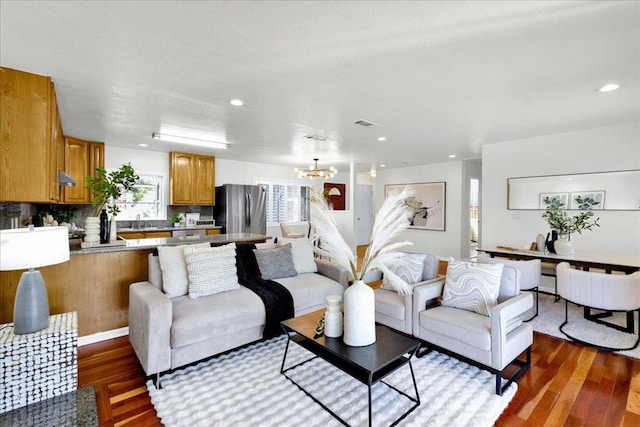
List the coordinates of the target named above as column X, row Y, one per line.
column 146, row 199
column 286, row 201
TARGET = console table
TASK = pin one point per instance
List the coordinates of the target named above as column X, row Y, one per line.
column 38, row 366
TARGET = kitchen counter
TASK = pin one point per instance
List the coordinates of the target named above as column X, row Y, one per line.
column 137, row 244
column 166, row 228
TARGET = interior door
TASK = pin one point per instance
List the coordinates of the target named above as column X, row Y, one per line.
column 364, row 213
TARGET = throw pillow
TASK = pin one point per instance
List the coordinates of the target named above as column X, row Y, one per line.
column 302, row 254
column 211, row 270
column 408, row 268
column 472, row 286
column 275, row 263
column 175, row 281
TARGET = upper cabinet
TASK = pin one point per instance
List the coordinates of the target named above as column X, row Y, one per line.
column 192, row 179
column 30, row 138
column 81, row 158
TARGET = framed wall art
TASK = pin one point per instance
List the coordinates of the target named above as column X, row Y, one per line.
column 560, row 200
column 427, row 206
column 587, row 200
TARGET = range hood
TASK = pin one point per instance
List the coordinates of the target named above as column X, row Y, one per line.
column 65, row 180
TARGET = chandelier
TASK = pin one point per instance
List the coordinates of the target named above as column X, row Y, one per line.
column 313, row 172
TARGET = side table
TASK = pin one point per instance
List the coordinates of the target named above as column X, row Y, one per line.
column 38, row 366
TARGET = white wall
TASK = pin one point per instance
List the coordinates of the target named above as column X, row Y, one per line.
column 593, row 150
column 442, row 243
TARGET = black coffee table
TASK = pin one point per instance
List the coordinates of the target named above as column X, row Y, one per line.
column 369, row 364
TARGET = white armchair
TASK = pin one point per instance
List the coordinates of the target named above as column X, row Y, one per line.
column 491, row 342
column 609, row 292
column 395, row 310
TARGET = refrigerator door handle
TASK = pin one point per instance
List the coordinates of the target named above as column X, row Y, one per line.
column 248, row 210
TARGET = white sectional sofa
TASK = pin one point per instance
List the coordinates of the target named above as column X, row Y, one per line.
column 167, row 333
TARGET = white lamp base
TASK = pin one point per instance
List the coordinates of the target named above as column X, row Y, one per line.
column 31, row 306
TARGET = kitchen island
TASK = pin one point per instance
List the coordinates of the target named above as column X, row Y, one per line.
column 95, row 281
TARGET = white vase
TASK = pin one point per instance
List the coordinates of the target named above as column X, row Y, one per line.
column 359, row 315
column 92, row 229
column 563, row 245
column 113, row 229
column 333, row 317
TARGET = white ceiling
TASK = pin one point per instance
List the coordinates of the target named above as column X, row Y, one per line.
column 439, row 78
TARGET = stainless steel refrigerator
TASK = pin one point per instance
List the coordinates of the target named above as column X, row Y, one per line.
column 241, row 209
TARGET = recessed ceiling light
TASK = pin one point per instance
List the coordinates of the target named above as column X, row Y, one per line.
column 382, row 138
column 609, row 87
column 452, row 156
column 383, row 166
column 143, row 145
column 237, row 102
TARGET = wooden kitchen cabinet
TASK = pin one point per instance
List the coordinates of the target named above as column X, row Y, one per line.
column 30, row 138
column 129, row 235
column 192, row 179
column 81, row 158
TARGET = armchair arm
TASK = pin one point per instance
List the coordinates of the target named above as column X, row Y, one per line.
column 506, row 318
column 333, row 271
column 430, row 290
column 150, row 318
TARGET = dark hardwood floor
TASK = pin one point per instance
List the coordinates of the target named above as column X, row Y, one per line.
column 568, row 384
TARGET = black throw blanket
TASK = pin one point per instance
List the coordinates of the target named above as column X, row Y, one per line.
column 277, row 299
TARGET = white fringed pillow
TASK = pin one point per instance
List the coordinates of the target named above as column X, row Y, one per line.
column 408, row 267
column 211, row 270
column 472, row 286
column 175, row 282
column 302, row 254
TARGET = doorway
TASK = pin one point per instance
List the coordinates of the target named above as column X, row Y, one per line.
column 474, row 216
column 364, row 213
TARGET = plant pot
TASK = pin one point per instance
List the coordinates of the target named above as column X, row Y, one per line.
column 92, row 229
column 359, row 315
column 176, row 224
column 563, row 245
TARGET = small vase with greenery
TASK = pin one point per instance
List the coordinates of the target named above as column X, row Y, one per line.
column 175, row 219
column 107, row 187
column 564, row 225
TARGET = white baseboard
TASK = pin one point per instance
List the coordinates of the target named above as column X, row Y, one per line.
column 102, row 336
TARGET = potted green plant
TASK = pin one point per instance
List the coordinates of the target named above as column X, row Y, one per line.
column 176, row 220
column 105, row 188
column 564, row 225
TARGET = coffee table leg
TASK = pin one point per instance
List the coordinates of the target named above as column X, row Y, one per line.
column 369, row 387
column 286, row 349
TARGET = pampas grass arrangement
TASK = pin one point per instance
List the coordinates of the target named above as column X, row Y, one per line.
column 390, row 221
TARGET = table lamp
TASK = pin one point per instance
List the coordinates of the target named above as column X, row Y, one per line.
column 30, row 248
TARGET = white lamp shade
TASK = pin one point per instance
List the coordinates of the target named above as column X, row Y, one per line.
column 21, row 248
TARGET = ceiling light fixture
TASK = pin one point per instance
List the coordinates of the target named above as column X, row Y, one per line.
column 452, row 156
column 609, row 87
column 143, row 145
column 190, row 141
column 313, row 172
column 382, row 138
column 237, row 102
column 373, row 173
column 383, row 165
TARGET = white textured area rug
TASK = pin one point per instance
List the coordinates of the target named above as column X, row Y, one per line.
column 551, row 316
column 245, row 388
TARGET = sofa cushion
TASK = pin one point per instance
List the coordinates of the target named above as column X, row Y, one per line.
column 175, row 281
column 390, row 303
column 196, row 320
column 211, row 270
column 275, row 263
column 461, row 325
column 409, row 268
column 309, row 289
column 302, row 254
column 472, row 286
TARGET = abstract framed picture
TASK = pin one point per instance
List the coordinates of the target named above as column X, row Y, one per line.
column 427, row 206
column 559, row 200
column 587, row 200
